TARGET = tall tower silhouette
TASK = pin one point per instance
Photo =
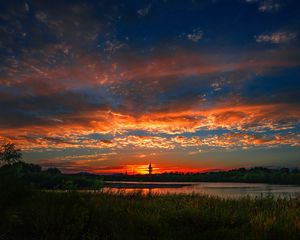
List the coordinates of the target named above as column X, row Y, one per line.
column 150, row 169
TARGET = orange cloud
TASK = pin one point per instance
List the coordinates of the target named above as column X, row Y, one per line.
column 244, row 140
column 67, row 134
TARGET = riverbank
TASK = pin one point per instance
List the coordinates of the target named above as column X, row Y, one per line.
column 73, row 215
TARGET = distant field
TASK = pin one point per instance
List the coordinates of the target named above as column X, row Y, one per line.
column 71, row 215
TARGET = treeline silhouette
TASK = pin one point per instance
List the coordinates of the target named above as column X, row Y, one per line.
column 53, row 178
column 12, row 168
column 252, row 175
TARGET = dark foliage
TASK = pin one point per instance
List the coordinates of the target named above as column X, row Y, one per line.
column 51, row 178
column 73, row 215
column 9, row 154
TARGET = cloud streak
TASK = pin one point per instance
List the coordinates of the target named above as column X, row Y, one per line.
column 276, row 38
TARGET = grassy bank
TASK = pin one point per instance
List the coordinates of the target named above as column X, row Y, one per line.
column 70, row 215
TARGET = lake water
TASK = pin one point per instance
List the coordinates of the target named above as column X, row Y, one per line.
column 224, row 190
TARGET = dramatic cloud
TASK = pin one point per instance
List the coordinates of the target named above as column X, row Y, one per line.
column 109, row 85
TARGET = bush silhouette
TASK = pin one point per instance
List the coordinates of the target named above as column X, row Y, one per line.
column 9, row 154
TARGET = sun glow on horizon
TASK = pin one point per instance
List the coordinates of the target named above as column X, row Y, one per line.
column 142, row 169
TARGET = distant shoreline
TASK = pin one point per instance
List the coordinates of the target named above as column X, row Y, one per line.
column 172, row 184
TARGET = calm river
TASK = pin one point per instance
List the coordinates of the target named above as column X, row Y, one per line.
column 224, row 190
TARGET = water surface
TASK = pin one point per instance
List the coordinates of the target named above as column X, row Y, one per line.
column 224, row 190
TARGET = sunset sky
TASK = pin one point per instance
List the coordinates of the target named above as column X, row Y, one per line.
column 109, row 86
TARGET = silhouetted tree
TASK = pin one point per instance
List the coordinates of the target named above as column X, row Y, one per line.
column 9, row 154
column 53, row 171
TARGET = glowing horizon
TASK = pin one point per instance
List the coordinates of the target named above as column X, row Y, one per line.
column 105, row 86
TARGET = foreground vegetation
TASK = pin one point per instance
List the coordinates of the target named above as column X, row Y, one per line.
column 29, row 210
column 73, row 215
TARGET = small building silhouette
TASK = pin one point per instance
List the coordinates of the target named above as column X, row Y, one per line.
column 150, row 169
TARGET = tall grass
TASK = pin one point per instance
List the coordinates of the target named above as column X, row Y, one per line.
column 71, row 215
